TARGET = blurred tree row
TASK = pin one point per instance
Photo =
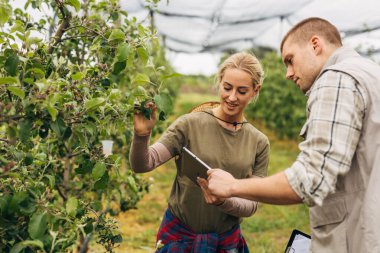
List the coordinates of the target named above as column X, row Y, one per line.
column 281, row 104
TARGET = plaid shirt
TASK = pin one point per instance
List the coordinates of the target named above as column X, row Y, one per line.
column 335, row 110
column 175, row 237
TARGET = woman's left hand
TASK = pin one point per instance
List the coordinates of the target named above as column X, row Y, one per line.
column 209, row 198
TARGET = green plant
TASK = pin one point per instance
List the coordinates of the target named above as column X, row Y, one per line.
column 60, row 95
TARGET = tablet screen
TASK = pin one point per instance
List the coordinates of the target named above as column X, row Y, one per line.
column 192, row 166
column 299, row 242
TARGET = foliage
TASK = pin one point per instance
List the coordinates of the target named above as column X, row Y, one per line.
column 68, row 81
column 281, row 105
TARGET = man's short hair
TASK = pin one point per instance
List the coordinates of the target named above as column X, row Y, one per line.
column 304, row 30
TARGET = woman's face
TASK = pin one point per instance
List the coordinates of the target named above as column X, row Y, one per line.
column 236, row 91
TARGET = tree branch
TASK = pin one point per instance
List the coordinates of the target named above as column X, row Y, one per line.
column 66, row 17
column 4, row 140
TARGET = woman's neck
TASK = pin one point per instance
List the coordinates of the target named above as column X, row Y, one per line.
column 228, row 122
column 218, row 112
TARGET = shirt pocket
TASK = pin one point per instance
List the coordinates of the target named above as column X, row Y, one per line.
column 329, row 233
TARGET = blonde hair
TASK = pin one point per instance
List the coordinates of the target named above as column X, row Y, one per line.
column 246, row 62
column 304, row 30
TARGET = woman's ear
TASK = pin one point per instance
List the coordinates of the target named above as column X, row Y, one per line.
column 257, row 89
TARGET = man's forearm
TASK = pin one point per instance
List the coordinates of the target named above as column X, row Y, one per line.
column 271, row 190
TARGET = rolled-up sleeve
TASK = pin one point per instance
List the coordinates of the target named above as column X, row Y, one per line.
column 336, row 107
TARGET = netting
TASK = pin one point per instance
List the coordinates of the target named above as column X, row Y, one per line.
column 218, row 25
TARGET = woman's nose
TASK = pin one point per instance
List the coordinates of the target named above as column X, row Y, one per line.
column 232, row 96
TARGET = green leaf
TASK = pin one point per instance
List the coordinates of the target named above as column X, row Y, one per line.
column 139, row 91
column 24, row 132
column 143, row 55
column 122, row 52
column 84, row 167
column 162, row 116
column 51, row 180
column 37, row 225
column 36, row 73
column 17, row 91
column 163, row 102
column 17, row 199
column 74, row 3
column 114, row 16
column 118, row 67
column 11, row 65
column 67, row 133
column 132, row 183
column 131, row 58
column 18, row 26
column 94, row 103
column 52, row 111
column 141, row 79
column 28, row 243
column 116, row 35
column 33, row 40
column 28, row 160
column 77, row 76
column 5, row 12
column 72, row 206
column 58, row 127
column 4, row 201
column 172, row 75
column 102, row 183
column 117, row 239
column 8, row 80
column 98, row 170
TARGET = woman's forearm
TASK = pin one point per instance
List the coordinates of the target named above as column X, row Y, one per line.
column 144, row 158
column 238, row 207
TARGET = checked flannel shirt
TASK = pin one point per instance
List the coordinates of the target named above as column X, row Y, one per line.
column 335, row 108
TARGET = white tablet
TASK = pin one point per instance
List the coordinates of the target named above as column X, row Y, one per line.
column 192, row 166
column 299, row 242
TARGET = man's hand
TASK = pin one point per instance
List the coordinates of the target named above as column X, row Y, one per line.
column 220, row 183
column 209, row 198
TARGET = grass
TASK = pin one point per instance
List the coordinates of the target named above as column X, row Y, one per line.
column 265, row 232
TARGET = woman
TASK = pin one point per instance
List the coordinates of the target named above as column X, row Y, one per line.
column 196, row 220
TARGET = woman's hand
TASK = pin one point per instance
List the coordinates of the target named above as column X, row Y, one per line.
column 209, row 198
column 142, row 125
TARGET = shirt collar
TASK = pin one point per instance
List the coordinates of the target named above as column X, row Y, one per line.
column 337, row 56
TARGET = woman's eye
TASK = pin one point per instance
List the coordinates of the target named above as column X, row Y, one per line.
column 242, row 92
column 227, row 88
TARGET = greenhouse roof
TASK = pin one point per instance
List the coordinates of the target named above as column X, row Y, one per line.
column 218, row 25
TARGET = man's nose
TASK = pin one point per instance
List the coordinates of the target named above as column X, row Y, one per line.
column 289, row 73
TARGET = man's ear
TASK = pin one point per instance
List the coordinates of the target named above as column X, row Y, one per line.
column 317, row 44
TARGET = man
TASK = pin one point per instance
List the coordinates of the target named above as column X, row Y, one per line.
column 337, row 172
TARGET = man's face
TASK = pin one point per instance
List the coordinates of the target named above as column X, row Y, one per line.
column 301, row 63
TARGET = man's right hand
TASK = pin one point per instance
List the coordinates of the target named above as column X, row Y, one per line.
column 142, row 125
column 220, row 183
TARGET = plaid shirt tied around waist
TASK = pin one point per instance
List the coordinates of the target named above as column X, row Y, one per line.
column 179, row 238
